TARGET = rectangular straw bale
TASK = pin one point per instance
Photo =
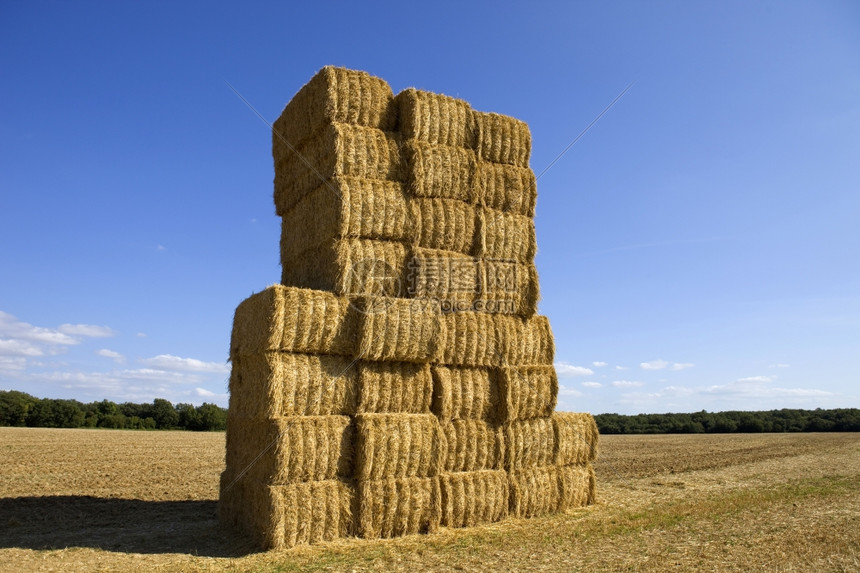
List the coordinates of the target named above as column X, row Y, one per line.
column 439, row 171
column 577, row 437
column 293, row 320
column 391, row 507
column 396, row 329
column 290, row 449
column 505, row 236
column 492, row 340
column 529, row 443
column 463, row 393
column 534, row 491
column 339, row 149
column 472, row 498
column 351, row 267
column 346, row 207
column 397, row 445
column 507, row 188
column 525, row 392
column 446, row 224
column 273, row 384
column 333, row 95
column 435, row 118
column 508, row 287
column 502, row 139
column 444, row 276
column 392, row 387
column 472, row 445
column 577, row 486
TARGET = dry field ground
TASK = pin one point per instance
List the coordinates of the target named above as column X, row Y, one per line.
column 93, row 500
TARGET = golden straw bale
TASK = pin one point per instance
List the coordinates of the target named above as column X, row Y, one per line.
column 484, row 339
column 577, row 437
column 502, row 139
column 293, row 320
column 472, row 498
column 446, row 224
column 439, row 171
column 391, row 507
column 400, row 330
column 506, row 188
column 290, row 449
column 345, row 207
column 529, row 443
column 472, row 445
column 444, row 276
column 273, row 384
column 392, row 387
column 333, row 95
column 508, row 287
column 525, row 392
column 576, row 486
column 397, row 445
column 534, row 491
column 505, row 236
column 435, row 118
column 339, row 149
column 463, row 393
column 351, row 267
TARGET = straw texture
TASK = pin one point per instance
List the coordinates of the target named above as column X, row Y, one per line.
column 345, row 207
column 333, row 95
column 463, row 393
column 526, row 392
column 435, row 118
column 576, row 486
column 529, row 444
column 274, row 384
column 472, row 445
column 502, row 139
column 339, row 149
column 535, row 491
column 576, row 435
column 397, row 445
column 439, row 171
column 392, row 507
column 472, row 498
column 444, row 276
column 445, row 224
column 505, row 236
column 394, row 387
column 483, row 339
column 506, row 188
column 399, row 330
column 508, row 287
column 293, row 320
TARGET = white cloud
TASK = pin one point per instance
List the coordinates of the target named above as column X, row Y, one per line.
column 779, row 366
column 598, row 364
column 592, row 384
column 567, row 370
column 160, row 248
column 115, row 356
column 568, row 391
column 626, row 384
column 756, row 379
column 621, row 368
column 204, row 393
column 681, row 366
column 654, row 365
column 11, row 347
column 10, row 364
column 170, row 362
column 141, row 335
column 14, row 329
column 88, row 330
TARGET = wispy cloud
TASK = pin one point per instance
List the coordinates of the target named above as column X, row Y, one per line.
column 86, row 330
column 113, row 355
column 627, row 383
column 568, row 391
column 170, row 362
column 567, row 370
column 755, row 379
column 592, row 384
column 681, row 366
column 779, row 366
column 662, row 364
column 621, row 368
column 598, row 364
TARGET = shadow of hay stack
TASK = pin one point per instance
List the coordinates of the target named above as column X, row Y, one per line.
column 122, row 525
column 399, row 378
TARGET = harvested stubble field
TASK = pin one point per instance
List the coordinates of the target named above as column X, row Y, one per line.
column 92, row 500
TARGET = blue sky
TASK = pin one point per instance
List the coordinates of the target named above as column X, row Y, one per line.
column 698, row 247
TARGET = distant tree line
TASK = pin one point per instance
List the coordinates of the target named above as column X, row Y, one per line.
column 786, row 420
column 22, row 409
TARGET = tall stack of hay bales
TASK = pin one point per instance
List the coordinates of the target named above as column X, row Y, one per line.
column 398, row 378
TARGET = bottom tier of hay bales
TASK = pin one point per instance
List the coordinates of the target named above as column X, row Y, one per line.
column 472, row 498
column 282, row 516
column 550, row 489
column 392, row 507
